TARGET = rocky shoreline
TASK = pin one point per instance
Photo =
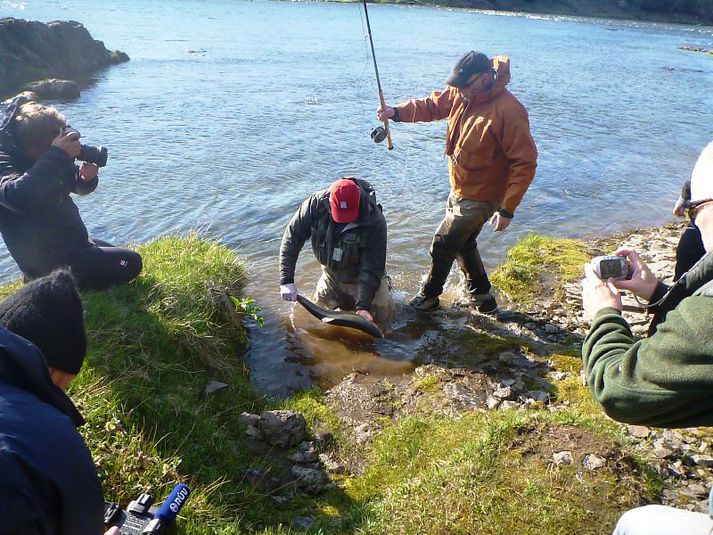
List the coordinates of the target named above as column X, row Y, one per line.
column 52, row 60
column 527, row 364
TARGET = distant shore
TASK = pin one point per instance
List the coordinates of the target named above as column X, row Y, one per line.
column 607, row 9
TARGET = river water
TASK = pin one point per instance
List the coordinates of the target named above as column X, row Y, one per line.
column 230, row 113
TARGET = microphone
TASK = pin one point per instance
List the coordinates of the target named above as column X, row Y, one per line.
column 166, row 514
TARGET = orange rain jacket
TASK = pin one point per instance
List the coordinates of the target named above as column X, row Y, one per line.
column 492, row 156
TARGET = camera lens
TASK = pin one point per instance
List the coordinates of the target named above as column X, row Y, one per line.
column 95, row 155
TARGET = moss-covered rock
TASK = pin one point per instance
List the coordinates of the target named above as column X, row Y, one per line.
column 31, row 50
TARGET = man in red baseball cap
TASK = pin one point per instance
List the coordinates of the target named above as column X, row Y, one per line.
column 348, row 235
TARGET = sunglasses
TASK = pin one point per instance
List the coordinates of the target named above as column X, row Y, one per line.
column 474, row 80
column 695, row 206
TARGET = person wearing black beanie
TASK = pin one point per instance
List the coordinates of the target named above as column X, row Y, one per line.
column 50, row 484
column 48, row 312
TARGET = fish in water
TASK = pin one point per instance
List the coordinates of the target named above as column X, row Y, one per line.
column 342, row 319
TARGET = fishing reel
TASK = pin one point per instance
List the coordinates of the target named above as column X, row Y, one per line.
column 378, row 134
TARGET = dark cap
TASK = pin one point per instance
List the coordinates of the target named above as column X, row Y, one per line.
column 469, row 64
column 48, row 312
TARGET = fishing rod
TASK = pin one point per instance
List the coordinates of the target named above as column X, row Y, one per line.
column 380, row 132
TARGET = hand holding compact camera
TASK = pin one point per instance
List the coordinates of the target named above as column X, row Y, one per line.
column 611, row 267
column 606, row 275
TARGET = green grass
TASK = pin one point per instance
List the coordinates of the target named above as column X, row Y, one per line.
column 537, row 263
column 489, row 474
column 156, row 343
column 153, row 347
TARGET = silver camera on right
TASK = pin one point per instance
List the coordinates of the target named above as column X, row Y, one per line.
column 611, row 267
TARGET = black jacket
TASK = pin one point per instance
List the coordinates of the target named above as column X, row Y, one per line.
column 362, row 245
column 49, row 483
column 39, row 221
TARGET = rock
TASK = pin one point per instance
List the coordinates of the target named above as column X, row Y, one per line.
column 661, row 450
column 492, row 403
column 551, row 329
column 459, row 393
column 639, row 431
column 332, row 465
column 702, row 460
column 214, row 386
column 310, row 480
column 282, row 499
column 560, row 376
column 32, row 50
column 537, row 396
column 698, row 490
column 309, row 451
column 252, row 432
column 283, row 429
column 248, row 419
column 594, row 462
column 562, row 458
column 298, row 458
column 53, row 88
column 302, row 523
column 504, row 393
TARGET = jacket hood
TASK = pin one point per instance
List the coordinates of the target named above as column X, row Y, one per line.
column 501, row 66
column 23, row 366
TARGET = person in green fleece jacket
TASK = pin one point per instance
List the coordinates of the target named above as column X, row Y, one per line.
column 665, row 380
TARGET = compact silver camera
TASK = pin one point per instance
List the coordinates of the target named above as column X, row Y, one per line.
column 611, row 267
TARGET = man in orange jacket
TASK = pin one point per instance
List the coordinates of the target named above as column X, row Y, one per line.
column 491, row 160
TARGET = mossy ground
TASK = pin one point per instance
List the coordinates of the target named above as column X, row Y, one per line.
column 155, row 344
column 537, row 264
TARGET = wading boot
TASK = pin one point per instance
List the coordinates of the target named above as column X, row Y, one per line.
column 485, row 303
column 422, row 303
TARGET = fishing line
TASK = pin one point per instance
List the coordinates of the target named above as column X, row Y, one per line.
column 367, row 60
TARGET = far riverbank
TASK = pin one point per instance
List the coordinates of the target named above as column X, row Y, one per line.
column 604, row 9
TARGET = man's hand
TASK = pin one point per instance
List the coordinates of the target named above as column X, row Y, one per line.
column 365, row 314
column 288, row 292
column 500, row 222
column 385, row 113
column 598, row 294
column 679, row 209
column 113, row 531
column 88, row 171
column 68, row 142
column 642, row 282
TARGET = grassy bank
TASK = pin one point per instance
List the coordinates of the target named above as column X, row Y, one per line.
column 156, row 343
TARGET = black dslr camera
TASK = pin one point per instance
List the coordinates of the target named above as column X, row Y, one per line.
column 141, row 517
column 87, row 153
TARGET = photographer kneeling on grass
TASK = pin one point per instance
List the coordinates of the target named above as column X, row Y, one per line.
column 665, row 380
column 39, row 221
column 49, row 482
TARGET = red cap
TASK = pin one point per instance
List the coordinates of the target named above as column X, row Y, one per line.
column 344, row 200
